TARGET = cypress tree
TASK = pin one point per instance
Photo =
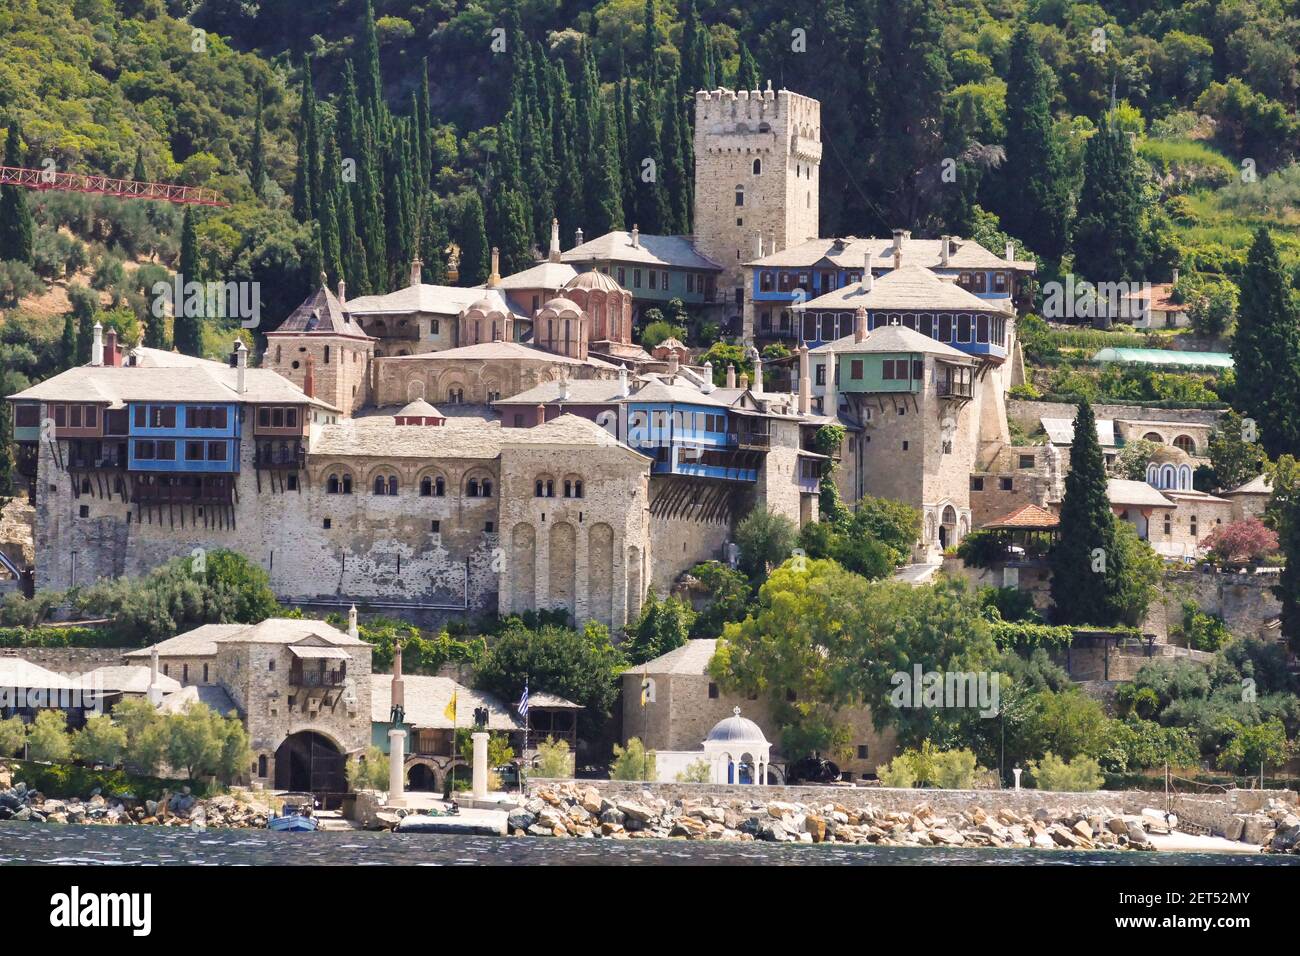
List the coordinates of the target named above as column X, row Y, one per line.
column 424, row 161
column 434, row 240
column 1036, row 203
column 692, row 50
column 68, row 343
column 652, row 210
column 1085, row 560
column 471, row 236
column 371, row 88
column 1266, row 349
column 746, row 71
column 15, row 217
column 351, row 249
column 675, row 180
column 6, row 449
column 331, row 248
column 370, row 217
column 650, row 47
column 604, row 181
column 188, row 327
column 629, row 164
column 257, row 166
column 1108, row 234
column 1288, row 589
column 307, row 175
column 138, row 172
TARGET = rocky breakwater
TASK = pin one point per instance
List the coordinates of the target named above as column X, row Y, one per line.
column 19, row 803
column 571, row 810
column 1275, row 829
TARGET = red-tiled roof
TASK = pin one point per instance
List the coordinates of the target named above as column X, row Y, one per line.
column 1026, row 517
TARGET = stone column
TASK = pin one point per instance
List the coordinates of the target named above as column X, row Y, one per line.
column 396, row 768
column 480, row 738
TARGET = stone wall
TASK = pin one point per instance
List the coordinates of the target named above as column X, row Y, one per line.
column 1210, row 810
column 1027, row 413
column 69, row 660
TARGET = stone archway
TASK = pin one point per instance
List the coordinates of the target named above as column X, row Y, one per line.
column 948, row 527
column 423, row 778
column 309, row 762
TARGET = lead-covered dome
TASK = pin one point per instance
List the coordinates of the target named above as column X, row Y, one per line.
column 736, row 729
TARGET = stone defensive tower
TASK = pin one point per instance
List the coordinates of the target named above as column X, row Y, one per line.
column 757, row 169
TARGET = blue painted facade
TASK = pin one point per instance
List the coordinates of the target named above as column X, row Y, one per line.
column 686, row 439
column 183, row 438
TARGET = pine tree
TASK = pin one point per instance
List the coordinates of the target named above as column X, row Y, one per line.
column 257, row 165
column 1108, row 230
column 370, row 216
column 1084, row 558
column 1036, row 204
column 471, row 236
column 15, row 217
column 188, row 322
column 1266, row 349
column 630, row 163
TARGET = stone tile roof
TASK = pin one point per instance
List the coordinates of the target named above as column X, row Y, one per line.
column 209, row 382
column 910, row 287
column 1028, row 517
column 894, row 338
column 616, row 246
column 127, row 679
column 496, row 351
column 581, row 391
column 850, row 253
column 199, row 642
column 212, row 695
column 1121, row 491
column 379, row 436
column 663, row 392
column 426, row 700
column 321, row 312
column 544, row 275
column 691, row 658
column 162, row 358
column 1259, row 485
column 1060, row 431
column 567, row 429
column 288, row 630
column 434, row 299
column 18, row 673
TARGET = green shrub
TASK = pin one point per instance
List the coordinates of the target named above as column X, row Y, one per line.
column 70, row 780
column 1068, row 776
column 955, row 769
column 13, row 732
column 368, row 772
column 899, row 772
column 100, row 741
column 47, row 737
column 553, row 759
column 697, row 772
column 929, row 766
column 632, row 763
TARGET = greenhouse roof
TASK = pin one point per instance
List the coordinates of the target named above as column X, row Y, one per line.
column 1165, row 357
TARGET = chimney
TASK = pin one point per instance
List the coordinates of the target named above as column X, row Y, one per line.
column 399, row 686
column 97, row 346
column 1011, row 250
column 943, row 251
column 731, row 375
column 343, row 292
column 111, row 356
column 868, row 280
column 155, row 692
column 353, row 630
column 672, row 366
column 744, row 380
column 541, row 414
column 860, row 324
column 898, row 244
column 708, row 378
column 577, row 237
column 758, row 247
column 417, row 267
column 831, row 403
column 1173, row 281
column 758, row 372
column 494, row 279
column 309, row 379
column 805, row 383
column 622, row 381
column 241, row 366
column 555, row 240
column 636, row 236
column 564, row 386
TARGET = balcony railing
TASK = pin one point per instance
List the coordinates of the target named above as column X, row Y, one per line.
column 96, row 462
column 326, row 677
column 295, row 457
column 755, row 440
column 954, row 390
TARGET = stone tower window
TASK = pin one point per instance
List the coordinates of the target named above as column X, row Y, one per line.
column 758, row 167
column 740, row 195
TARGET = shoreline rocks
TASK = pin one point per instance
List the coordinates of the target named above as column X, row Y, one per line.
column 21, row 804
column 572, row 810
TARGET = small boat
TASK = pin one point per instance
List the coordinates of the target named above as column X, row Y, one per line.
column 293, row 818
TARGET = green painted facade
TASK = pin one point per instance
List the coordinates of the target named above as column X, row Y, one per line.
column 905, row 374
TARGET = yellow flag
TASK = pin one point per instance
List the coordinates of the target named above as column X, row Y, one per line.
column 450, row 712
column 645, row 692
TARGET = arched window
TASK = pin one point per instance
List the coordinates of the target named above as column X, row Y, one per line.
column 577, row 489
column 392, row 484
column 471, row 489
column 485, row 489
column 381, row 486
column 544, row 488
column 347, row 484
column 332, row 485
column 1186, row 443
column 568, row 488
column 758, row 167
column 426, row 487
column 1156, row 437
column 740, row 195
column 439, row 488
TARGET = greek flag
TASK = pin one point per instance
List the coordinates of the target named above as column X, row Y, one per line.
column 522, row 706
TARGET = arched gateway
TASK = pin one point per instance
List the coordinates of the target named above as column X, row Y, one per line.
column 310, row 762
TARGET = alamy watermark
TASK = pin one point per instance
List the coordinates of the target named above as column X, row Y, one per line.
column 209, row 300
column 1081, row 299
column 943, row 690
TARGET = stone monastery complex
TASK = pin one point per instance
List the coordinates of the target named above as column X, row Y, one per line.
column 509, row 447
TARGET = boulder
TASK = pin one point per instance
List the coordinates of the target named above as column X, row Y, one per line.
column 946, row 836
column 1137, row 833
column 635, row 811
column 816, row 826
column 521, row 819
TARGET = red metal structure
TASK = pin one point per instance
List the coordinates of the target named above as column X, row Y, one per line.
column 108, row 186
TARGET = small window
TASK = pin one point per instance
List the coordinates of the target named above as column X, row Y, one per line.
column 906, row 445
column 713, row 691
column 1006, row 484
column 758, row 167
column 270, row 665
column 84, row 511
column 435, row 526
column 488, row 527
column 326, row 524
column 1026, row 461
column 863, row 752
column 976, row 484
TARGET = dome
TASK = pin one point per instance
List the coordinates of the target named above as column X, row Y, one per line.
column 561, row 304
column 419, row 409
column 1170, row 453
column 487, row 305
column 593, row 281
column 736, row 729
